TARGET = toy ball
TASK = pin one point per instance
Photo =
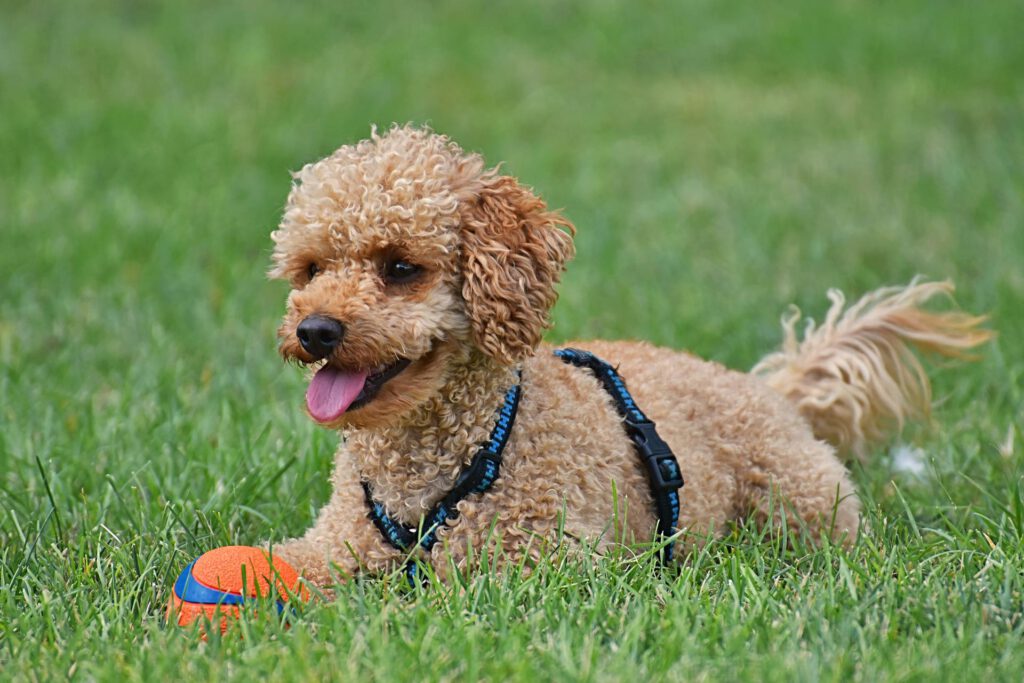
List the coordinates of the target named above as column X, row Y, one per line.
column 215, row 586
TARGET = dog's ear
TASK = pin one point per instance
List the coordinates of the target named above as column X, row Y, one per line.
column 513, row 253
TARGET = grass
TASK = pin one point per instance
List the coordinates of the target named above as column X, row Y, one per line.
column 720, row 161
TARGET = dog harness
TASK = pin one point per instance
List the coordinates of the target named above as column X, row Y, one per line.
column 663, row 472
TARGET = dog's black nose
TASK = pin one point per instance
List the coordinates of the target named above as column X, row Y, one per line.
column 320, row 335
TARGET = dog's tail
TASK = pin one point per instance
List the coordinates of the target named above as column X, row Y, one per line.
column 856, row 376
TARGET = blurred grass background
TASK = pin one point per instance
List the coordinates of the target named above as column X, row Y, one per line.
column 720, row 160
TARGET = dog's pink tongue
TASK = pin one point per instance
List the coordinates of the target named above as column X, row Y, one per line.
column 332, row 391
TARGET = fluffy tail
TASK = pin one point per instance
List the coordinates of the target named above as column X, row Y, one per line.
column 855, row 377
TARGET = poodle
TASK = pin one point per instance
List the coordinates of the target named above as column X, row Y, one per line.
column 421, row 282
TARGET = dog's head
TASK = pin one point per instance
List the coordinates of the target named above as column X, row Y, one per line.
column 405, row 254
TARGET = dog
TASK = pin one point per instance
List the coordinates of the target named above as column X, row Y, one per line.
column 421, row 283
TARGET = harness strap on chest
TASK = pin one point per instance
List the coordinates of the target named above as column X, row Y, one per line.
column 663, row 473
column 479, row 476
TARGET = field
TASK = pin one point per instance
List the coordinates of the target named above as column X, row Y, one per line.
column 721, row 161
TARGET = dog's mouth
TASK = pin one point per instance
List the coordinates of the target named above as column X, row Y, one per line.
column 334, row 391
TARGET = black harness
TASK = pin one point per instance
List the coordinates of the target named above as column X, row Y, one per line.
column 663, row 472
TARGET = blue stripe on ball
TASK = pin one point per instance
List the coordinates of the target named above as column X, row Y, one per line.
column 189, row 589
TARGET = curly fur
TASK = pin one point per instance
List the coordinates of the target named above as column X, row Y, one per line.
column 490, row 253
column 513, row 255
column 856, row 375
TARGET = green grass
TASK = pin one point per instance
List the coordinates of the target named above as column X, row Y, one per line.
column 720, row 160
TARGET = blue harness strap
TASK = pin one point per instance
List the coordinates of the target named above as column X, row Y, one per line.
column 479, row 476
column 663, row 473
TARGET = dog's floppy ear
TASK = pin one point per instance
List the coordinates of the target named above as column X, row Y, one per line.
column 513, row 252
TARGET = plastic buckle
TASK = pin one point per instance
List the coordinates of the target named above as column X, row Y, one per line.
column 661, row 462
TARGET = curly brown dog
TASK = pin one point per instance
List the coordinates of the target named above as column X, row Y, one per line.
column 421, row 284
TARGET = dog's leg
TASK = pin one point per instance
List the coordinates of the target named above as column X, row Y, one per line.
column 801, row 484
column 310, row 559
column 343, row 540
column 340, row 544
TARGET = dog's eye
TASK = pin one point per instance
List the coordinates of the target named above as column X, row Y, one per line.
column 312, row 270
column 399, row 272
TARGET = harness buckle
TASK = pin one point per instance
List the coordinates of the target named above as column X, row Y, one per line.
column 661, row 462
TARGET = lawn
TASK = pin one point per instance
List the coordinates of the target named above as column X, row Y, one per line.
column 721, row 160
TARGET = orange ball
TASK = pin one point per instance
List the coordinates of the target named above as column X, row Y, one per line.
column 215, row 585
